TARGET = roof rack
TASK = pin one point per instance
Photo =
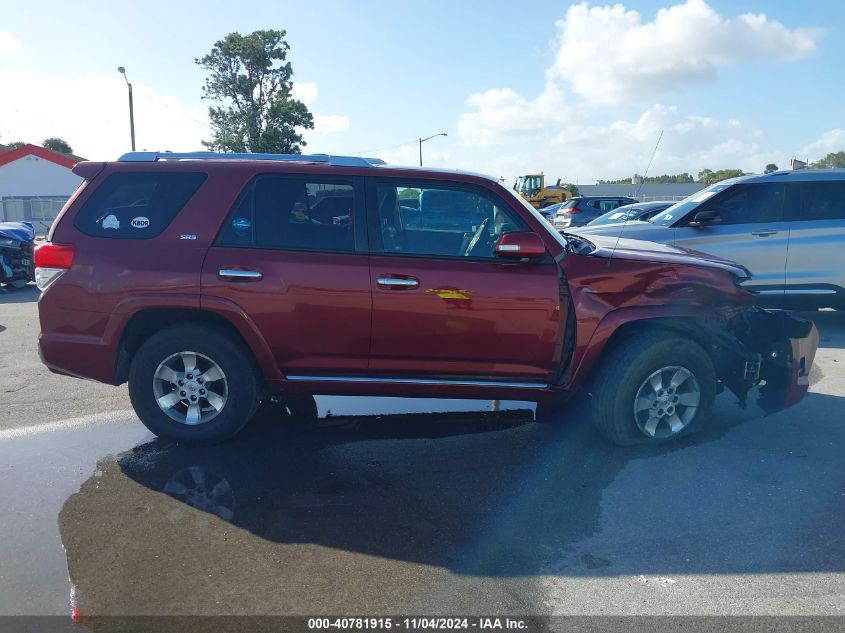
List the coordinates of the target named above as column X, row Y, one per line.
column 325, row 159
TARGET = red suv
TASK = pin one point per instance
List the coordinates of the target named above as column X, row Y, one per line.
column 213, row 282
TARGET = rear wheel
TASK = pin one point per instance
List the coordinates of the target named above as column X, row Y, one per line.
column 193, row 383
column 653, row 388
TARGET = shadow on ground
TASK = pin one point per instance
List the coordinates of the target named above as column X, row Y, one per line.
column 28, row 294
column 477, row 494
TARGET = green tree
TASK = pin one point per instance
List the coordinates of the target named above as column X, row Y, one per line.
column 57, row 145
column 705, row 177
column 770, row 168
column 834, row 159
column 573, row 189
column 708, row 176
column 15, row 144
column 250, row 79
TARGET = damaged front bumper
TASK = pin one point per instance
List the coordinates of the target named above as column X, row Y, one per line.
column 772, row 349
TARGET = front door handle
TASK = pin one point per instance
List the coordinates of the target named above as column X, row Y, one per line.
column 237, row 274
column 764, row 232
column 398, row 283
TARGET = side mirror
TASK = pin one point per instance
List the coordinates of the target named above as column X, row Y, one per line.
column 519, row 245
column 705, row 217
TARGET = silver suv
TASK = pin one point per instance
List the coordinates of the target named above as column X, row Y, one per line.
column 787, row 228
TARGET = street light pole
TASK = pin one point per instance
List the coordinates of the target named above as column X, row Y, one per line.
column 423, row 140
column 122, row 71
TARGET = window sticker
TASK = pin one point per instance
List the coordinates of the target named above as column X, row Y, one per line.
column 614, row 216
column 241, row 224
column 111, row 222
column 140, row 222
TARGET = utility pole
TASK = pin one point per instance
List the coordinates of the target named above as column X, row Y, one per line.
column 423, row 140
column 122, row 71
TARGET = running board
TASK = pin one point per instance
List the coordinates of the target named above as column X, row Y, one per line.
column 421, row 381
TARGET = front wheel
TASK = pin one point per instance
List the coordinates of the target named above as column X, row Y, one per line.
column 653, row 388
column 193, row 383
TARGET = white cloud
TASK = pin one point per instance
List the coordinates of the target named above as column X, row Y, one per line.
column 434, row 154
column 499, row 115
column 608, row 54
column 93, row 115
column 830, row 141
column 579, row 152
column 305, row 92
column 689, row 143
column 9, row 44
column 330, row 123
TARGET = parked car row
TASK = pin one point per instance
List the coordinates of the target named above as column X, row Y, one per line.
column 787, row 228
column 215, row 283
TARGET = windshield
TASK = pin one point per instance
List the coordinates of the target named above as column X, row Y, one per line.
column 528, row 185
column 680, row 209
column 622, row 214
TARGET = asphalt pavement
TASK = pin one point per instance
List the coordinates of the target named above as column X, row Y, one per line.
column 414, row 507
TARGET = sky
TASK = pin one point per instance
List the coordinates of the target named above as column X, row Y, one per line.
column 578, row 91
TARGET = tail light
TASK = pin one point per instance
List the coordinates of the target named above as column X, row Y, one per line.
column 51, row 260
column 574, row 209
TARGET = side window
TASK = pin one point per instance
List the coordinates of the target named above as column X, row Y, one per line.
column 441, row 221
column 293, row 213
column 822, row 201
column 608, row 205
column 135, row 205
column 747, row 204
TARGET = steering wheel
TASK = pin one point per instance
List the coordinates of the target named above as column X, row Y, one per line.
column 476, row 236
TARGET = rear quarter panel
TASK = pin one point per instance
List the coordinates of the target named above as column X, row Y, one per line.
column 111, row 279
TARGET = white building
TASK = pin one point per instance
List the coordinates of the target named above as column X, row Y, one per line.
column 35, row 182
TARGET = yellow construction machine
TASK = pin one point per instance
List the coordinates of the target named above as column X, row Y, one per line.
column 533, row 188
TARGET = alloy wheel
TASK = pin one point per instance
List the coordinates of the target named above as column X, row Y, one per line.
column 666, row 402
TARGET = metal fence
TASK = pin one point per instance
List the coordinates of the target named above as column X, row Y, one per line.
column 40, row 210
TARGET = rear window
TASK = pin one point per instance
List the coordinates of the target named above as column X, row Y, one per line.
column 136, row 205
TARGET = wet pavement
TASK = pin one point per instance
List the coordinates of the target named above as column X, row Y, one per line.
column 399, row 506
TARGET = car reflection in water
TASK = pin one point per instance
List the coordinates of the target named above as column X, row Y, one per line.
column 444, row 513
column 173, row 529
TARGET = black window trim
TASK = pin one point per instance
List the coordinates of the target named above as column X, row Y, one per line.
column 374, row 223
column 359, row 219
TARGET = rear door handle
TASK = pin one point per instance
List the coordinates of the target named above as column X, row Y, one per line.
column 398, row 283
column 236, row 274
column 764, row 232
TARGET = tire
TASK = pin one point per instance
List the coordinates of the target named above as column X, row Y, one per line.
column 236, row 394
column 629, row 375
